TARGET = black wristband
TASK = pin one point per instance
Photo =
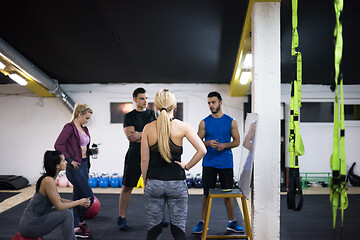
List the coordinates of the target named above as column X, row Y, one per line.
column 186, row 168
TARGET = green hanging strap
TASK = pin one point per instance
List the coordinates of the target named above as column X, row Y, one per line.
column 296, row 146
column 337, row 161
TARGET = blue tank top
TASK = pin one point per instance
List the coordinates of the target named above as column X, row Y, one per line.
column 220, row 129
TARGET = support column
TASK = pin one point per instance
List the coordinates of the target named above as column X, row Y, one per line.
column 266, row 97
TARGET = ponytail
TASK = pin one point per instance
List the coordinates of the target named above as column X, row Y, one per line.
column 164, row 102
column 51, row 160
column 163, row 134
column 38, row 183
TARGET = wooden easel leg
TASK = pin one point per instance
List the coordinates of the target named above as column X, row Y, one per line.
column 246, row 217
column 207, row 218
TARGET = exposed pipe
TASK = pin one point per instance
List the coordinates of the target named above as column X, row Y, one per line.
column 39, row 76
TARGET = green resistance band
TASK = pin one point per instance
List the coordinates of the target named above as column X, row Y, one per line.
column 337, row 161
column 296, row 146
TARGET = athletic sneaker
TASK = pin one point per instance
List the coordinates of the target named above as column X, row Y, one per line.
column 199, row 227
column 165, row 222
column 85, row 228
column 81, row 234
column 122, row 223
column 235, row 227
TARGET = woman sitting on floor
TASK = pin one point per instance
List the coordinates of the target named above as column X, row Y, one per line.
column 40, row 217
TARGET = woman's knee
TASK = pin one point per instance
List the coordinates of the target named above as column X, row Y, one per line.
column 68, row 214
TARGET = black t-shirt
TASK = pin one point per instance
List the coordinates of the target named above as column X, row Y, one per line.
column 138, row 120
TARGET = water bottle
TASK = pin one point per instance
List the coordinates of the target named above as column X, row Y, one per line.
column 94, row 151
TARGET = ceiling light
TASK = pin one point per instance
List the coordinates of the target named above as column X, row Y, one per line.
column 248, row 60
column 2, row 66
column 18, row 79
column 245, row 77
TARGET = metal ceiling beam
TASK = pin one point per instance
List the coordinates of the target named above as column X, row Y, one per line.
column 38, row 81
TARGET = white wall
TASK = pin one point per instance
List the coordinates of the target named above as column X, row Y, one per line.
column 28, row 128
column 318, row 137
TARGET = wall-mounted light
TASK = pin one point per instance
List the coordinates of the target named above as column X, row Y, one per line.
column 2, row 66
column 18, row 79
column 245, row 77
column 247, row 61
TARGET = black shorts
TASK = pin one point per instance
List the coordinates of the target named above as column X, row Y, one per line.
column 209, row 176
column 132, row 168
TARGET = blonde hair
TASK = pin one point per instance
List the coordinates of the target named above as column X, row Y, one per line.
column 80, row 108
column 164, row 102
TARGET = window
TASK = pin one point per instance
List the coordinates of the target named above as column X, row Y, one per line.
column 118, row 111
column 352, row 112
column 317, row 112
column 324, row 112
column 178, row 112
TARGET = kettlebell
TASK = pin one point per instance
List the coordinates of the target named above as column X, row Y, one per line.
column 198, row 180
column 104, row 180
column 189, row 180
column 115, row 181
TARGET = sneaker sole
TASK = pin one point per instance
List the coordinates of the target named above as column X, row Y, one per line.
column 233, row 230
column 79, row 236
column 197, row 232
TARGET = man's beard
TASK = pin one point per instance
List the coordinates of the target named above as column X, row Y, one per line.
column 216, row 110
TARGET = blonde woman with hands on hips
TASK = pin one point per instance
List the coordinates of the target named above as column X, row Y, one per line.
column 163, row 170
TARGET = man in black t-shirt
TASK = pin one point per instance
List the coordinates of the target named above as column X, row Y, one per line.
column 134, row 123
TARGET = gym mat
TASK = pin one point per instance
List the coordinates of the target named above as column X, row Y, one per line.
column 104, row 225
column 6, row 195
column 314, row 221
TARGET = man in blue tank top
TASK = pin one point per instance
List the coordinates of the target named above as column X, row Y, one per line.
column 220, row 133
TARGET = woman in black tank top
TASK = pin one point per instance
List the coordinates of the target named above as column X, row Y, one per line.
column 163, row 170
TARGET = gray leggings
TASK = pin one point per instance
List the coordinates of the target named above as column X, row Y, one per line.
column 157, row 194
column 34, row 227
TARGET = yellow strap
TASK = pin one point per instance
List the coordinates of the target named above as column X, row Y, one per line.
column 296, row 146
column 337, row 161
